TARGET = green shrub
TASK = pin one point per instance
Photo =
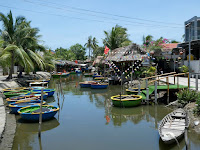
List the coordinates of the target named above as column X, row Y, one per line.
column 186, row 96
column 184, row 69
column 197, row 109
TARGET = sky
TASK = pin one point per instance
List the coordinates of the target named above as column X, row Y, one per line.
column 63, row 23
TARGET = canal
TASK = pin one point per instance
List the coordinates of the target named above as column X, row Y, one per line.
column 87, row 121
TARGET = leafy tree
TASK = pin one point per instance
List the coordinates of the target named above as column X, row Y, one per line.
column 61, row 53
column 49, row 63
column 79, row 51
column 116, row 38
column 147, row 40
column 174, row 41
column 99, row 51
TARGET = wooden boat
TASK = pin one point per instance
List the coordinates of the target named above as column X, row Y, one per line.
column 133, row 91
column 16, row 93
column 172, row 126
column 99, row 78
column 99, row 85
column 41, row 80
column 86, row 84
column 38, row 84
column 88, row 74
column 17, row 89
column 58, row 75
column 50, row 92
column 21, row 98
column 38, row 94
column 17, row 105
column 126, row 100
column 95, row 76
column 32, row 113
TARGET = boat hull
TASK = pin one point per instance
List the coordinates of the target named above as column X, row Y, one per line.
column 33, row 117
column 20, row 98
column 12, row 94
column 126, row 103
column 50, row 92
column 85, row 85
column 99, row 86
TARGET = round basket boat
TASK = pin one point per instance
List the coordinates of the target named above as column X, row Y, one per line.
column 88, row 74
column 50, row 92
column 38, row 94
column 21, row 98
column 16, row 93
column 17, row 105
column 32, row 113
column 17, row 89
column 99, row 78
column 133, row 91
column 126, row 100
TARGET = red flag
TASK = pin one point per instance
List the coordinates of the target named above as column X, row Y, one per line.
column 106, row 50
column 76, row 61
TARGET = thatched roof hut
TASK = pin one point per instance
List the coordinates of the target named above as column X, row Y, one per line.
column 128, row 53
column 99, row 60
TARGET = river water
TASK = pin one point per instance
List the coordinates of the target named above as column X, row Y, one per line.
column 88, row 121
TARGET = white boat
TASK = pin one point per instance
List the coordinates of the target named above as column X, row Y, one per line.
column 173, row 125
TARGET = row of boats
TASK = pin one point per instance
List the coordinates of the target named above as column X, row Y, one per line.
column 26, row 101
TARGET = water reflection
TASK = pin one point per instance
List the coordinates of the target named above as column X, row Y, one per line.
column 87, row 120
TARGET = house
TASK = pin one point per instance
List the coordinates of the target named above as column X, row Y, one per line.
column 192, row 38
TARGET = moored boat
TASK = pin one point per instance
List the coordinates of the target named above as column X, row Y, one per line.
column 16, row 93
column 95, row 76
column 17, row 105
column 21, row 98
column 17, row 89
column 172, row 126
column 38, row 84
column 86, row 84
column 88, row 74
column 99, row 85
column 38, row 94
column 99, row 78
column 58, row 75
column 126, row 100
column 32, row 113
column 133, row 91
column 50, row 92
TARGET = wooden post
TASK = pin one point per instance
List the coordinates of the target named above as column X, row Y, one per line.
column 174, row 80
column 158, row 80
column 40, row 118
column 177, row 82
column 167, row 90
column 139, row 87
column 197, row 84
column 155, row 92
column 188, row 80
column 147, row 95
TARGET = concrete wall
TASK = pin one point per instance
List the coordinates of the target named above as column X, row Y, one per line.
column 194, row 64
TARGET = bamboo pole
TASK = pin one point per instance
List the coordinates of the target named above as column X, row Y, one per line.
column 177, row 82
column 197, row 84
column 40, row 117
column 188, row 80
column 155, row 92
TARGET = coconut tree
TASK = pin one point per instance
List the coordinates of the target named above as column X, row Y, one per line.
column 89, row 44
column 94, row 45
column 20, row 42
column 116, row 38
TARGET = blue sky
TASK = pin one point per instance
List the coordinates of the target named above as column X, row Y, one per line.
column 61, row 24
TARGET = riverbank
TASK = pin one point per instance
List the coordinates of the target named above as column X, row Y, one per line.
column 8, row 122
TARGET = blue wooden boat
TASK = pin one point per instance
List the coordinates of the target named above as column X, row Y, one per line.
column 32, row 113
column 17, row 105
column 94, row 76
column 50, row 92
column 22, row 98
column 86, row 84
column 38, row 94
column 16, row 89
column 99, row 85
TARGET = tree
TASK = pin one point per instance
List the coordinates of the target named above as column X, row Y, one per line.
column 147, row 40
column 116, row 38
column 99, row 51
column 49, row 64
column 89, row 44
column 79, row 51
column 61, row 53
column 20, row 42
column 174, row 41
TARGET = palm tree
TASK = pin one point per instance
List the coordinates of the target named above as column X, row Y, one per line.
column 94, row 45
column 89, row 44
column 116, row 38
column 20, row 43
